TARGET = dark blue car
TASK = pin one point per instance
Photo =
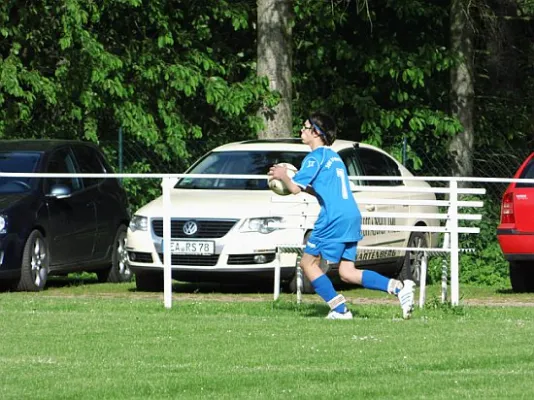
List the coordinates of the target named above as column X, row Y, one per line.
column 59, row 225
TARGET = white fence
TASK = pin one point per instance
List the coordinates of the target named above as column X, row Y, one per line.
column 452, row 229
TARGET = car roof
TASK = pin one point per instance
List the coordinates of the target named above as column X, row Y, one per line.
column 287, row 144
column 39, row 145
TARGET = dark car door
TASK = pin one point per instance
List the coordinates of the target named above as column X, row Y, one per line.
column 72, row 218
column 102, row 192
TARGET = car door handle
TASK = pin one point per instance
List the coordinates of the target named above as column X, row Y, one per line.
column 370, row 207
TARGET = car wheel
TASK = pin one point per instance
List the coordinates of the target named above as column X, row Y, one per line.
column 149, row 281
column 307, row 287
column 35, row 263
column 413, row 260
column 521, row 277
column 119, row 271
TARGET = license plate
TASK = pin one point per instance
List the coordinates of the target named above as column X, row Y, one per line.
column 192, row 247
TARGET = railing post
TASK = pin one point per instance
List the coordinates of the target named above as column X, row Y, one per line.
column 454, row 243
column 299, row 282
column 444, row 264
column 277, row 275
column 166, row 184
column 422, row 281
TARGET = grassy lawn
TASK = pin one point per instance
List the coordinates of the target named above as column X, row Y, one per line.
column 87, row 341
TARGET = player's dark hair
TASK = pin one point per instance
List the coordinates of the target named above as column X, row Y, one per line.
column 325, row 126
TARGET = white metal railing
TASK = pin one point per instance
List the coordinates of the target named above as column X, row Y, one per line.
column 451, row 228
column 169, row 180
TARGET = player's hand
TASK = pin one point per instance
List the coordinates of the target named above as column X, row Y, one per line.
column 278, row 171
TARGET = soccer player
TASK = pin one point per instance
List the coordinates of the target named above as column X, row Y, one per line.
column 337, row 230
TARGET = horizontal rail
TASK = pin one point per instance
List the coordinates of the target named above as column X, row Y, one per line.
column 411, row 189
column 262, row 176
column 308, row 199
column 419, row 228
column 409, row 215
column 409, row 202
column 400, row 228
column 300, row 247
column 385, row 214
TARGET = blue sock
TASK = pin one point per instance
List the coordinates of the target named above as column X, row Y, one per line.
column 374, row 281
column 324, row 288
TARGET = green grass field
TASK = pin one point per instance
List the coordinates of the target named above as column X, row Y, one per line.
column 99, row 341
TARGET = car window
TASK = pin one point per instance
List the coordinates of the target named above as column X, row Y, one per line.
column 89, row 163
column 62, row 161
column 237, row 163
column 527, row 173
column 17, row 161
column 375, row 163
column 353, row 168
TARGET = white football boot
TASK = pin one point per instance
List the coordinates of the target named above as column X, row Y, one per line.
column 337, row 315
column 406, row 298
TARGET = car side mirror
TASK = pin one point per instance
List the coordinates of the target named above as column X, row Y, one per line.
column 59, row 191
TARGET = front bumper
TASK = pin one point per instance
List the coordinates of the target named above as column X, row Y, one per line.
column 10, row 255
column 250, row 253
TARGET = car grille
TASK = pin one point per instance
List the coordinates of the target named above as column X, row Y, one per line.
column 207, row 229
column 139, row 257
column 242, row 259
column 204, row 261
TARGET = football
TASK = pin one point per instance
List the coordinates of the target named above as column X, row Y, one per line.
column 277, row 185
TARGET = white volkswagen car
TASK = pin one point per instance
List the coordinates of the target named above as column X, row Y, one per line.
column 230, row 228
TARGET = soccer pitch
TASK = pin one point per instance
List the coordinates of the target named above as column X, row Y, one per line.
column 76, row 343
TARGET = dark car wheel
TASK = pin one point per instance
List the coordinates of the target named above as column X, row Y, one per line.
column 307, row 287
column 521, row 277
column 149, row 281
column 119, row 271
column 35, row 262
column 413, row 260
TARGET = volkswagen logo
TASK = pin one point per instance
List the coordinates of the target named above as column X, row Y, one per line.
column 190, row 228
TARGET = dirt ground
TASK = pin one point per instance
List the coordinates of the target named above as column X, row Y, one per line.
column 255, row 293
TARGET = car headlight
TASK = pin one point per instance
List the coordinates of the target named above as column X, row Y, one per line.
column 3, row 224
column 138, row 223
column 262, row 225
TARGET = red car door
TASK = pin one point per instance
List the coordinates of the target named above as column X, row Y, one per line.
column 524, row 198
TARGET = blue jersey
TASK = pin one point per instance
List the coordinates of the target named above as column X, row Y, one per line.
column 339, row 219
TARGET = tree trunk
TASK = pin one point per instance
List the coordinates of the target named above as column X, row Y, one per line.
column 275, row 62
column 462, row 88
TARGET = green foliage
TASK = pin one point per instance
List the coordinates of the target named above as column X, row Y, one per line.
column 384, row 82
column 164, row 71
column 484, row 266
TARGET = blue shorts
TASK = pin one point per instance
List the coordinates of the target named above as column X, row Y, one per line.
column 333, row 252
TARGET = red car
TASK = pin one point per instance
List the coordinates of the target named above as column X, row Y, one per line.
column 516, row 230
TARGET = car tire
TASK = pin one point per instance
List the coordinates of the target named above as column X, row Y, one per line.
column 35, row 263
column 119, row 271
column 307, row 287
column 149, row 281
column 521, row 277
column 411, row 266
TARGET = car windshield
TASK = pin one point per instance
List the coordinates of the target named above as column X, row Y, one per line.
column 237, row 163
column 17, row 162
